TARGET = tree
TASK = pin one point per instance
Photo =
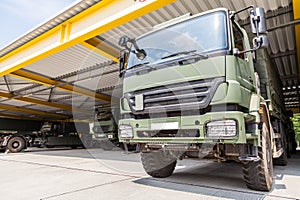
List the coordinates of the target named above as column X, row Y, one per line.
column 296, row 121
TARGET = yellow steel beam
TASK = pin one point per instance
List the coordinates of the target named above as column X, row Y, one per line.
column 296, row 9
column 31, row 111
column 4, row 115
column 77, row 120
column 103, row 16
column 100, row 47
column 59, row 84
column 40, row 102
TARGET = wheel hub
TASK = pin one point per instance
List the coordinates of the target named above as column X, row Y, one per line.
column 15, row 144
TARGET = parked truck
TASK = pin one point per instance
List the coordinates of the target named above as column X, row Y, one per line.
column 196, row 87
column 57, row 134
column 17, row 135
column 104, row 130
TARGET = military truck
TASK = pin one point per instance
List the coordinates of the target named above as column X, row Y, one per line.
column 57, row 134
column 195, row 87
column 104, row 131
column 16, row 135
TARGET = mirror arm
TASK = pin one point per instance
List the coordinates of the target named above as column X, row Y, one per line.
column 233, row 13
column 135, row 45
column 246, row 51
column 122, row 62
column 256, row 25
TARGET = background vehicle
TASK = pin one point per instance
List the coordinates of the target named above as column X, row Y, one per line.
column 194, row 87
column 17, row 135
column 105, row 129
column 59, row 134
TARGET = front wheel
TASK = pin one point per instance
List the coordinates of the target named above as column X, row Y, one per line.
column 107, row 145
column 259, row 175
column 158, row 164
column 282, row 160
column 16, row 144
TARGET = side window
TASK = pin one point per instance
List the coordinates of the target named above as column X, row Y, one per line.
column 238, row 39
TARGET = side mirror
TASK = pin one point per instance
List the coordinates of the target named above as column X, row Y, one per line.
column 258, row 20
column 123, row 61
column 123, row 41
column 141, row 54
column 258, row 27
column 261, row 41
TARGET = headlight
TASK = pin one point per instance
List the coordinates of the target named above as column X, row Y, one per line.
column 125, row 131
column 95, row 129
column 221, row 129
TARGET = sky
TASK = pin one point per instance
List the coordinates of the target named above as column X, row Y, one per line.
column 18, row 17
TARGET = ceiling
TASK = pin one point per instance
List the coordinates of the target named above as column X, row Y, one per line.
column 73, row 81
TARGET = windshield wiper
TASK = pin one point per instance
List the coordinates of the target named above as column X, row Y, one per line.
column 194, row 52
column 139, row 65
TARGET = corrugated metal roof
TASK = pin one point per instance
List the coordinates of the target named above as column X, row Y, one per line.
column 13, row 102
column 81, row 66
column 72, row 59
column 9, row 83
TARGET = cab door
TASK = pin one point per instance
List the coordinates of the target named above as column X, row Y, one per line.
column 244, row 71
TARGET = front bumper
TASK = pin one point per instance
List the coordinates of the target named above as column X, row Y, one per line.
column 190, row 129
column 104, row 136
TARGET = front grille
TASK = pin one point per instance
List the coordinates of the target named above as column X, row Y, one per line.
column 101, row 129
column 175, row 97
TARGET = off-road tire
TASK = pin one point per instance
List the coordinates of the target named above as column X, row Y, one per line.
column 16, row 144
column 107, row 145
column 259, row 175
column 282, row 160
column 158, row 164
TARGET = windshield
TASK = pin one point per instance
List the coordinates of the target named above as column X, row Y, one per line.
column 202, row 34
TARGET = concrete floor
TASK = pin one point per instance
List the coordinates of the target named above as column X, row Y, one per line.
column 64, row 174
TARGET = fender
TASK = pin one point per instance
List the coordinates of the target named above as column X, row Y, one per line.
column 257, row 107
column 276, row 152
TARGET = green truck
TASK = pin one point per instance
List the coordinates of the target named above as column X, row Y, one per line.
column 195, row 87
column 58, row 134
column 104, row 131
column 17, row 135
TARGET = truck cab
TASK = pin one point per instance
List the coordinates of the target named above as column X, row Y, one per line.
column 60, row 134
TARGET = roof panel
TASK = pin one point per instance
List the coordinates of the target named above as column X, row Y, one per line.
column 79, row 57
column 44, row 108
column 13, row 102
column 72, row 59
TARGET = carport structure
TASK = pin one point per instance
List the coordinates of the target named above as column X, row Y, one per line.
column 69, row 64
